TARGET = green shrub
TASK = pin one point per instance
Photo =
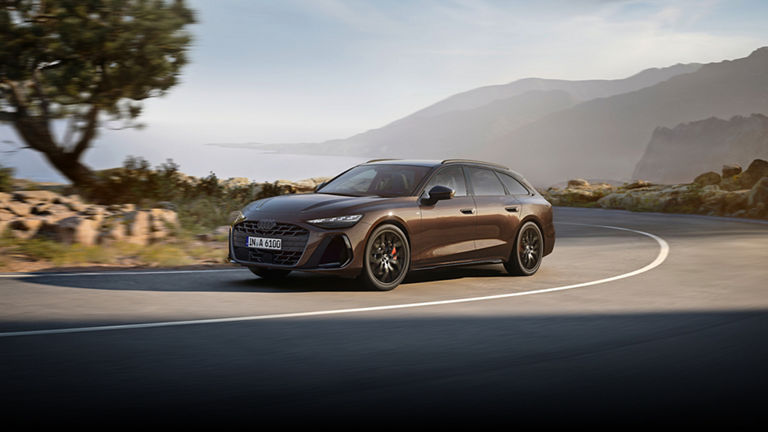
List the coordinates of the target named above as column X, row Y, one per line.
column 202, row 203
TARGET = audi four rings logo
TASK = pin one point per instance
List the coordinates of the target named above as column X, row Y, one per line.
column 266, row 224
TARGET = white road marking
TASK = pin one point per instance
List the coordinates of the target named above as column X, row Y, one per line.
column 660, row 258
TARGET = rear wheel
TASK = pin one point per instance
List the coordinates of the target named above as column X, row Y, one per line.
column 268, row 273
column 387, row 258
column 528, row 251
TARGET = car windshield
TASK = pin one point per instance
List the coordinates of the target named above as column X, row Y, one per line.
column 386, row 180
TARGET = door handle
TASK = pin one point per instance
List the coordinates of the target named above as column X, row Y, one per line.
column 468, row 211
column 512, row 209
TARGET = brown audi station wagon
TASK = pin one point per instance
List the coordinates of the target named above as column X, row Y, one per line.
column 379, row 220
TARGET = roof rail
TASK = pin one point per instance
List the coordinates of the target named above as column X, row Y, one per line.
column 380, row 160
column 476, row 162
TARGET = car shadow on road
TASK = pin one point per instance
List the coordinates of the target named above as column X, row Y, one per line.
column 237, row 281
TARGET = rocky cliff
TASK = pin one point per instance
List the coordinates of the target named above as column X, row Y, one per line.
column 677, row 154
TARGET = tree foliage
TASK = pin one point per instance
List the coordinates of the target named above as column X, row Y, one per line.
column 89, row 61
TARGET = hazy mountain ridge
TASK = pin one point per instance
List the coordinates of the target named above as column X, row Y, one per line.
column 463, row 122
column 703, row 145
column 606, row 137
column 579, row 90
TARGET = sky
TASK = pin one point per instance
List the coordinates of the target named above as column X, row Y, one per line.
column 284, row 71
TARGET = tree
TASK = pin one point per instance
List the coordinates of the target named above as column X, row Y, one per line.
column 88, row 63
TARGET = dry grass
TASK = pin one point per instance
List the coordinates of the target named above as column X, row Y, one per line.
column 45, row 253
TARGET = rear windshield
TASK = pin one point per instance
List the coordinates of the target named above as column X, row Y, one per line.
column 377, row 180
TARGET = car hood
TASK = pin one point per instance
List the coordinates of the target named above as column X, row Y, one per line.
column 309, row 205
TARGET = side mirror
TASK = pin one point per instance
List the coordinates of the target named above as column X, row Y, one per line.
column 320, row 186
column 438, row 193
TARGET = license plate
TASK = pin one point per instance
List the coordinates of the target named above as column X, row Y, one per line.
column 265, row 243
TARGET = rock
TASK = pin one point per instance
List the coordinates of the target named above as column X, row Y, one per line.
column 305, row 186
column 578, row 183
column 708, row 178
column 164, row 216
column 113, row 233
column 235, row 182
column 4, row 197
column 18, row 208
column 758, row 211
column 6, row 215
column 636, row 184
column 167, row 205
column 739, row 213
column 25, row 228
column 77, row 229
column 735, row 201
column 94, row 213
column 754, row 172
column 731, row 183
column 138, row 226
column 731, row 170
column 41, row 208
column 759, row 193
column 35, row 196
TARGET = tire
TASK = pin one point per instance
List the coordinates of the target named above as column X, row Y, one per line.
column 268, row 273
column 387, row 258
column 526, row 256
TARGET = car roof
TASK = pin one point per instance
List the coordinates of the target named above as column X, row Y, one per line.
column 436, row 162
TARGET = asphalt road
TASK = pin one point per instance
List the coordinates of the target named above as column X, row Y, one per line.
column 677, row 339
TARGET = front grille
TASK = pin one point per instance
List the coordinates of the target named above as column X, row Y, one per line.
column 280, row 230
column 294, row 240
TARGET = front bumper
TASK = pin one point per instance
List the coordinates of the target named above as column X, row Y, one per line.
column 304, row 247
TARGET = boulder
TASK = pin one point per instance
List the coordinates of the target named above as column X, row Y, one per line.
column 754, row 172
column 113, row 233
column 164, row 216
column 759, row 193
column 19, row 208
column 578, row 183
column 77, row 229
column 94, row 213
column 6, row 215
column 35, row 196
column 137, row 223
column 735, row 201
column 636, row 184
column 25, row 228
column 4, row 197
column 305, row 186
column 708, row 178
column 731, row 170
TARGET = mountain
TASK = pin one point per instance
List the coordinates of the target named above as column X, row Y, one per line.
column 606, row 137
column 464, row 122
column 578, row 90
column 703, row 145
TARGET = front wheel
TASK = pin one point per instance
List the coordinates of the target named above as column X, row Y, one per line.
column 387, row 258
column 526, row 256
column 268, row 273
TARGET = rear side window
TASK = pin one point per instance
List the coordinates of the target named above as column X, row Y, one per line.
column 513, row 186
column 452, row 177
column 484, row 182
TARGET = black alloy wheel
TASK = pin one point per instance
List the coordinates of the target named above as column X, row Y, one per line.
column 387, row 258
column 528, row 251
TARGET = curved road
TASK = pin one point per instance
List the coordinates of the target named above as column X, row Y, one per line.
column 631, row 335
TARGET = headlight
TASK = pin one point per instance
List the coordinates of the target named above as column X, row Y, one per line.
column 336, row 222
column 237, row 217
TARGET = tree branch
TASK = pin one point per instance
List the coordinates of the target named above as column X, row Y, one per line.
column 88, row 132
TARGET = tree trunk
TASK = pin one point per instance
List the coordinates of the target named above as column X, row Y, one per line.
column 69, row 165
column 37, row 136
